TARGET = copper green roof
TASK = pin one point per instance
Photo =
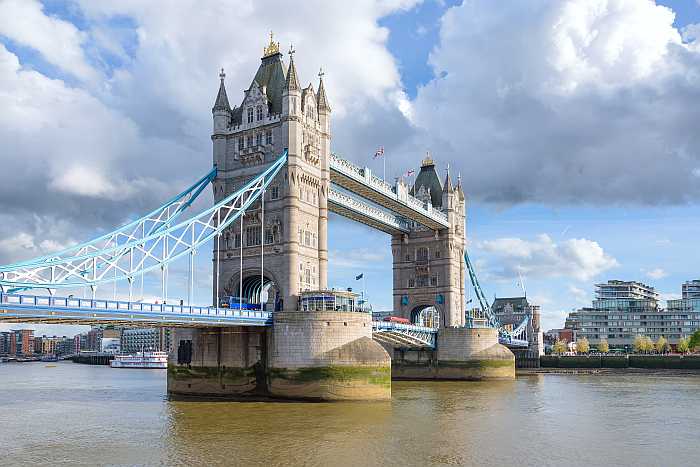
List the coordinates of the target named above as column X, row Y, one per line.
column 429, row 180
column 271, row 75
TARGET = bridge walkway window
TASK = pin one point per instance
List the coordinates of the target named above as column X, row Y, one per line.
column 329, row 300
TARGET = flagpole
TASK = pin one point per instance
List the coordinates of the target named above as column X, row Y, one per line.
column 364, row 298
column 384, row 162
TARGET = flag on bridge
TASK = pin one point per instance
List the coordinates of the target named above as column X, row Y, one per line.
column 410, row 173
column 357, row 278
column 379, row 152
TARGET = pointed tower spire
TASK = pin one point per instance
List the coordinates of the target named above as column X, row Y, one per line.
column 221, row 98
column 460, row 192
column 447, row 186
column 292, row 83
column 321, row 97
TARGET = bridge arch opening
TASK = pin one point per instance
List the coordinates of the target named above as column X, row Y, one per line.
column 426, row 315
column 255, row 290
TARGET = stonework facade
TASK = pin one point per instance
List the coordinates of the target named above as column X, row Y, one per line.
column 275, row 114
column 428, row 265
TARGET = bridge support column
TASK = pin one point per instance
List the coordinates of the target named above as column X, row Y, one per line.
column 461, row 354
column 226, row 362
column 327, row 356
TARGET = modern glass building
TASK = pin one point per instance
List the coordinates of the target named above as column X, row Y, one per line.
column 625, row 310
column 138, row 339
column 691, row 289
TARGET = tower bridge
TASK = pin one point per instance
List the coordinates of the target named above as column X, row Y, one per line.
column 274, row 181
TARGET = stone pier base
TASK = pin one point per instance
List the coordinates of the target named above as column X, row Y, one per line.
column 327, row 356
column 218, row 362
column 319, row 356
column 461, row 354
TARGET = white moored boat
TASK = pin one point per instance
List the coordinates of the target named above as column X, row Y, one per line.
column 141, row 360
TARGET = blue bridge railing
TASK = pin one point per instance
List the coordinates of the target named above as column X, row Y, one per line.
column 57, row 309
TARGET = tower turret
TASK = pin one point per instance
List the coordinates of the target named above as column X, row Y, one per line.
column 221, row 114
column 291, row 95
column 458, row 188
column 324, row 109
column 221, row 111
column 448, row 193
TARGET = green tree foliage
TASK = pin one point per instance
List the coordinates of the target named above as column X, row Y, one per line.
column 662, row 345
column 694, row 341
column 683, row 345
column 603, row 346
column 559, row 347
column 582, row 345
column 643, row 344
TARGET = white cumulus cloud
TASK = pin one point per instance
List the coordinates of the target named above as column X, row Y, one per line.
column 565, row 101
column 577, row 258
column 59, row 42
column 656, row 273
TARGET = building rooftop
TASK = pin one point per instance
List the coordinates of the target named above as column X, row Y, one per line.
column 428, row 181
column 617, row 289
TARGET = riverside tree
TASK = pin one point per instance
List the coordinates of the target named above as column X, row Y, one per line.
column 582, row 345
column 683, row 345
column 603, row 346
column 694, row 342
column 662, row 345
column 643, row 344
column 559, row 347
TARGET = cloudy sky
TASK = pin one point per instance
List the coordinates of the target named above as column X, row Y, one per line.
column 574, row 124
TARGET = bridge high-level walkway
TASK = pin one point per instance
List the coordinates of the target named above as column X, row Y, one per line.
column 396, row 199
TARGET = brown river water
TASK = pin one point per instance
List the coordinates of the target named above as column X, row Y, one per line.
column 72, row 414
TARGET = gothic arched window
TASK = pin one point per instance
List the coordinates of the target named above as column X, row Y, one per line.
column 422, row 254
column 259, row 111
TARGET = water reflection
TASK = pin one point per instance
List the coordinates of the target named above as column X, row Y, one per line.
column 76, row 414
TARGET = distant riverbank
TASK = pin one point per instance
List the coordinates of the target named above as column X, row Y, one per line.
column 609, row 371
column 647, row 362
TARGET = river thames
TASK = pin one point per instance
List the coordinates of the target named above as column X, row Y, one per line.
column 71, row 414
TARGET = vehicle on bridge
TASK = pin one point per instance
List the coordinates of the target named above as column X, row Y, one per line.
column 397, row 319
column 238, row 303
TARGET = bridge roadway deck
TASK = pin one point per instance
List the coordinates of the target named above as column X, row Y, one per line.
column 61, row 310
column 18, row 308
column 361, row 182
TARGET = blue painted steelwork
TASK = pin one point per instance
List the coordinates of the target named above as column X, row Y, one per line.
column 155, row 220
column 517, row 337
column 490, row 316
column 511, row 338
column 404, row 335
column 139, row 252
column 69, row 310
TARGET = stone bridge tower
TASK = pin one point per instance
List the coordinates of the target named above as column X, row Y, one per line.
column 275, row 113
column 428, row 265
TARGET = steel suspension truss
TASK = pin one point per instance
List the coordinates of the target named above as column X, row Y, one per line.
column 517, row 337
column 504, row 336
column 404, row 335
column 142, row 227
column 147, row 244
